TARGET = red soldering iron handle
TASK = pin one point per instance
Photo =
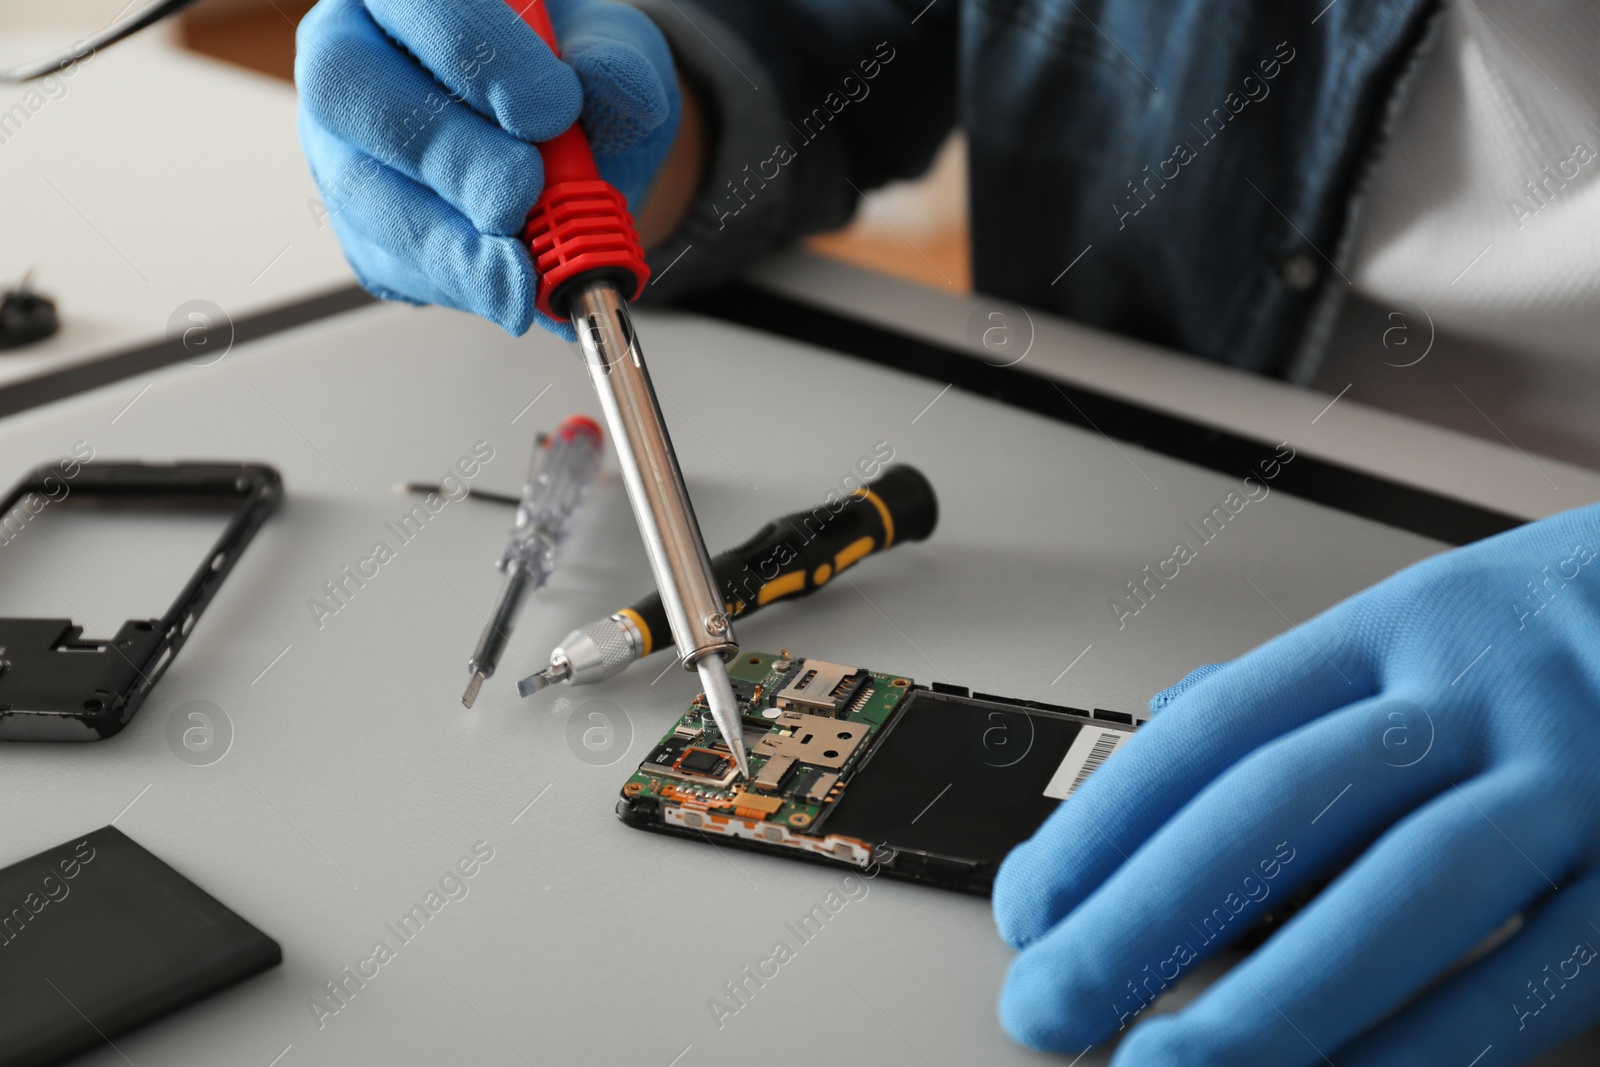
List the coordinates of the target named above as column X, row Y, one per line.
column 566, row 157
column 580, row 227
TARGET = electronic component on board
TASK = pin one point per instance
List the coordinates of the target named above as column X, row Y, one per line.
column 773, row 772
column 702, row 763
column 822, row 686
column 812, row 739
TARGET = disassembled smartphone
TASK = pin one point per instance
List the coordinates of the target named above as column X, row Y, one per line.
column 57, row 685
column 854, row 767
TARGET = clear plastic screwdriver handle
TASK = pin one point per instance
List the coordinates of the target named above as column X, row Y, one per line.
column 560, row 474
column 563, row 466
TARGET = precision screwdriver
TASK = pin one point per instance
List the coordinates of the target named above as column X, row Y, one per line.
column 590, row 265
column 787, row 558
column 562, row 468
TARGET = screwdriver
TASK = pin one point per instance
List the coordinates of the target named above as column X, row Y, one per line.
column 562, row 468
column 590, row 264
column 787, row 558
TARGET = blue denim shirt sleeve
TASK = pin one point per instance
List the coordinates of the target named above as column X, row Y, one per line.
column 812, row 102
column 1198, row 164
column 1203, row 157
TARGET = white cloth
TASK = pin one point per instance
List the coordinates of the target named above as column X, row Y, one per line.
column 1484, row 217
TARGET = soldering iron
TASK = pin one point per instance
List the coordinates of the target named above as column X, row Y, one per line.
column 590, row 265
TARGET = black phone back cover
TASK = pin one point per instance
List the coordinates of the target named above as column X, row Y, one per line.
column 98, row 936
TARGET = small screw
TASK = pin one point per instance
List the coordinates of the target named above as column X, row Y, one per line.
column 716, row 624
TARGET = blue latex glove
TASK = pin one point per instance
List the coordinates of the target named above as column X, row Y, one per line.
column 1435, row 738
column 418, row 117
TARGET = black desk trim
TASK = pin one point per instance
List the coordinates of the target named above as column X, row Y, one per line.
column 77, row 378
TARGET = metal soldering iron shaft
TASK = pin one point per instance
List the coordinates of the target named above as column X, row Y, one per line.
column 666, row 519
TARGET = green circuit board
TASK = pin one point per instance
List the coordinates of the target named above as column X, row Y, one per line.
column 808, row 725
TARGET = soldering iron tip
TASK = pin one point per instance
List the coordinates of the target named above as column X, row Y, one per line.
column 473, row 685
column 724, row 708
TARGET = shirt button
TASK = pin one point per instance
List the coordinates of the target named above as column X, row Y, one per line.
column 1299, row 271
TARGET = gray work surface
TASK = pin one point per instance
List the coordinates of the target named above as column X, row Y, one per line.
column 354, row 779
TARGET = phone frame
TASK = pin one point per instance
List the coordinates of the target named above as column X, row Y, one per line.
column 57, row 686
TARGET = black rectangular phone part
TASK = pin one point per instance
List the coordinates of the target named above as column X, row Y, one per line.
column 98, row 936
column 56, row 685
column 931, row 785
column 957, row 782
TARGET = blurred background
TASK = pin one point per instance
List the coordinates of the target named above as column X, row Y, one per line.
column 914, row 230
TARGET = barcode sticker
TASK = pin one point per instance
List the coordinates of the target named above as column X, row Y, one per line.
column 1092, row 747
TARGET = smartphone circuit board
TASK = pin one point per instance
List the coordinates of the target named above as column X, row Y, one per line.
column 808, row 724
column 859, row 767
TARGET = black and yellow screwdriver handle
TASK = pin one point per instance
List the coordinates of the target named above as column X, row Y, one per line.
column 800, row 553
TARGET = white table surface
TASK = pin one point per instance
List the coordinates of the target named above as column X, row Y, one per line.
column 354, row 778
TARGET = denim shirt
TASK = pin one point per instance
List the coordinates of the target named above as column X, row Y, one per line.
column 1197, row 164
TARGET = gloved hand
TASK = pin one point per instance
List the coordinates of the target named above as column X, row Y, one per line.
column 1433, row 744
column 418, row 118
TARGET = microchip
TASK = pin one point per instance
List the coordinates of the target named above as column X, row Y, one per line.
column 704, row 763
column 666, row 753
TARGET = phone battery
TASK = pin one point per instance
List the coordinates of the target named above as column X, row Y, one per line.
column 98, row 936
